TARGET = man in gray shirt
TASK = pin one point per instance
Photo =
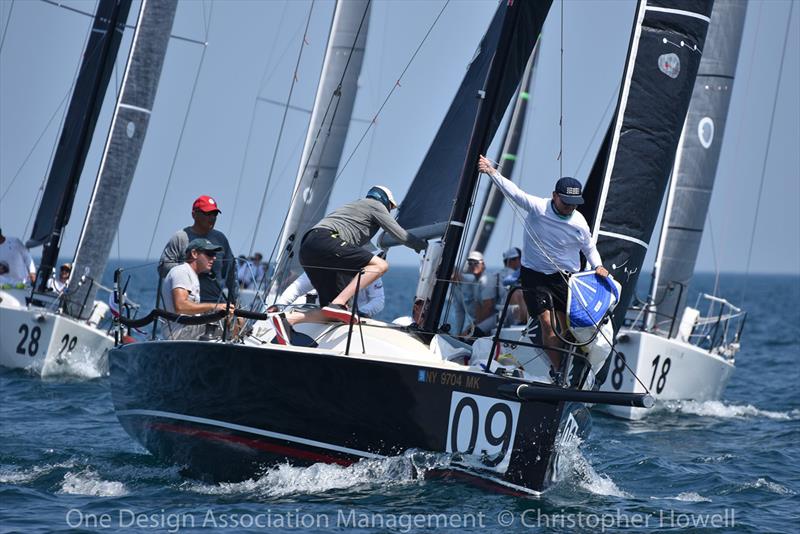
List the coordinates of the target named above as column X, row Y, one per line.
column 204, row 213
column 332, row 252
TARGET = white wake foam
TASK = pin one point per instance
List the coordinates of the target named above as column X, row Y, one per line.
column 285, row 479
column 722, row 410
column 576, row 467
column 82, row 364
column 690, row 496
column 88, row 482
column 23, row 476
column 772, row 487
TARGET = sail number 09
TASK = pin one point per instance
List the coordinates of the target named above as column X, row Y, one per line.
column 483, row 427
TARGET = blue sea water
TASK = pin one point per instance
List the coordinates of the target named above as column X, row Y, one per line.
column 728, row 466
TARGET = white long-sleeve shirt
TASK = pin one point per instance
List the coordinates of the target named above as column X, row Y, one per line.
column 18, row 260
column 371, row 299
column 551, row 243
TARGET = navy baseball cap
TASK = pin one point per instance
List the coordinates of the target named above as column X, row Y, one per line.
column 570, row 190
column 203, row 245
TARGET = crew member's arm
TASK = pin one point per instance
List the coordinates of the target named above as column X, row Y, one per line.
column 589, row 249
column 172, row 255
column 509, row 188
column 371, row 299
column 184, row 306
column 29, row 262
column 296, row 289
column 391, row 226
column 229, row 271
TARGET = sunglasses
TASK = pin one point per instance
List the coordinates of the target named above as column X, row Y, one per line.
column 208, row 254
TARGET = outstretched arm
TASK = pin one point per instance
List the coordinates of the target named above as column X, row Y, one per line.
column 509, row 188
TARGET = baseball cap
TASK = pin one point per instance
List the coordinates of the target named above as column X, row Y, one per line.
column 205, row 204
column 511, row 253
column 203, row 245
column 570, row 190
column 475, row 256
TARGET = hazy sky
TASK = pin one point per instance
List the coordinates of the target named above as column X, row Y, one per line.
column 251, row 52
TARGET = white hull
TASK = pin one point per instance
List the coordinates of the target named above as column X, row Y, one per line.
column 51, row 344
column 669, row 368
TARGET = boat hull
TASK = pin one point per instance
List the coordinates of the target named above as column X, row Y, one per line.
column 226, row 412
column 47, row 343
column 670, row 369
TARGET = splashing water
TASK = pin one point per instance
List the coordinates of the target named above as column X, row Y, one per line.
column 88, row 482
column 722, row 410
column 576, row 468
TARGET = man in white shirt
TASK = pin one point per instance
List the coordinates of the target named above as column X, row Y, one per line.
column 180, row 291
column 16, row 264
column 555, row 233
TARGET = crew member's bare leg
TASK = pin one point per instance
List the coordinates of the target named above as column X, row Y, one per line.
column 549, row 338
column 376, row 268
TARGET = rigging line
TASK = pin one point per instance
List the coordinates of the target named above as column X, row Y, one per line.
column 766, row 151
column 5, row 28
column 604, row 119
column 391, row 91
column 253, row 119
column 713, row 252
column 180, row 136
column 280, row 130
column 561, row 99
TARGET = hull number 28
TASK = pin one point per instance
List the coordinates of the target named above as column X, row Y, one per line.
column 482, row 427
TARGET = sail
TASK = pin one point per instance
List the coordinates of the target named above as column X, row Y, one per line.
column 624, row 199
column 327, row 131
column 122, row 149
column 430, row 203
column 76, row 136
column 493, row 201
column 696, row 162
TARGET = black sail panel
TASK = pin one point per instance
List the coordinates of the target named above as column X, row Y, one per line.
column 428, row 205
column 76, row 136
column 664, row 57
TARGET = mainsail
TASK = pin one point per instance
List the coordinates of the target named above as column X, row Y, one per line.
column 626, row 187
column 696, row 162
column 123, row 147
column 76, row 136
column 438, row 201
column 493, row 200
column 327, row 131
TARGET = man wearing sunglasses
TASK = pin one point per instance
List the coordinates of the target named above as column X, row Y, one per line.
column 204, row 213
column 181, row 290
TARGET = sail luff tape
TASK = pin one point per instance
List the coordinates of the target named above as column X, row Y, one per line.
column 524, row 95
column 509, row 157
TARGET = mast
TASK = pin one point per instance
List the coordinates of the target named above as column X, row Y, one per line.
column 123, row 147
column 627, row 183
column 696, row 161
column 507, row 54
column 76, row 136
column 327, row 132
column 493, row 201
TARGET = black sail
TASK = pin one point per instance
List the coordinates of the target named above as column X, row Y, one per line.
column 474, row 115
column 493, row 201
column 123, row 147
column 76, row 136
column 624, row 199
column 696, row 162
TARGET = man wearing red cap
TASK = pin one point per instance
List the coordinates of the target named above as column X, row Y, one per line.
column 204, row 213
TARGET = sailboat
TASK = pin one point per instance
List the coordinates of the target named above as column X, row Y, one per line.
column 677, row 353
column 58, row 333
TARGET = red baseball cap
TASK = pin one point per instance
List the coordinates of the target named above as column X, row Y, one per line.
column 205, row 204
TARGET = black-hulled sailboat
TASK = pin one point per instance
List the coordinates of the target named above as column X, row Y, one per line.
column 227, row 410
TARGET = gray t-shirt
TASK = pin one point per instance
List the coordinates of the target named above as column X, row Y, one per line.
column 359, row 221
column 224, row 267
column 474, row 295
column 181, row 276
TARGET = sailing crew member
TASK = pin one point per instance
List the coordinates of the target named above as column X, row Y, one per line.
column 555, row 234
column 371, row 299
column 60, row 284
column 479, row 297
column 181, row 290
column 16, row 264
column 204, row 213
column 508, row 278
column 332, row 252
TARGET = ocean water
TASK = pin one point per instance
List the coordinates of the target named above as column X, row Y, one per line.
column 727, row 466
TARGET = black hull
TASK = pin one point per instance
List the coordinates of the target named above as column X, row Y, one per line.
column 228, row 411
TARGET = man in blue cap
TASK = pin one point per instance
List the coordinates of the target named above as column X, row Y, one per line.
column 555, row 233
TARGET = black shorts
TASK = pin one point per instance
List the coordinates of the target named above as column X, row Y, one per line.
column 330, row 262
column 536, row 286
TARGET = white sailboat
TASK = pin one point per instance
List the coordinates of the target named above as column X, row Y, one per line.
column 679, row 352
column 58, row 333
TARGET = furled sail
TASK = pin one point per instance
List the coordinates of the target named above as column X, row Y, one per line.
column 493, row 201
column 624, row 192
column 76, row 136
column 696, row 161
column 327, row 132
column 122, row 149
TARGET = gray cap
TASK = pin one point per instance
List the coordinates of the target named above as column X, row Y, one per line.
column 203, row 245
